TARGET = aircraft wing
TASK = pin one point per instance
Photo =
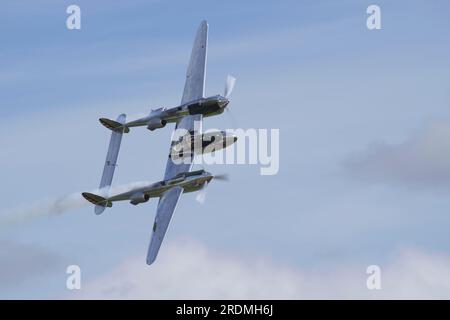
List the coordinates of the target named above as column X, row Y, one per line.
column 194, row 88
column 166, row 207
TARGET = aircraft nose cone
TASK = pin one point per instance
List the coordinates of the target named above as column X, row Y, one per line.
column 234, row 139
column 223, row 103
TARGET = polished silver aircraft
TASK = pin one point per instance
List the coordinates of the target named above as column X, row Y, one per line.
column 178, row 177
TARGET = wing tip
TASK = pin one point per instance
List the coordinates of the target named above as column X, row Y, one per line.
column 204, row 25
column 150, row 258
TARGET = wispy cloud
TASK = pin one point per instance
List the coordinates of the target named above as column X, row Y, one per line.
column 422, row 160
column 187, row 270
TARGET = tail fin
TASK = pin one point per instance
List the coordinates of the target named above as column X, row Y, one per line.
column 99, row 202
column 115, row 125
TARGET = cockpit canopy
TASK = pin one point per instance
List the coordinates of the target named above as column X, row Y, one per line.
column 189, row 174
column 158, row 110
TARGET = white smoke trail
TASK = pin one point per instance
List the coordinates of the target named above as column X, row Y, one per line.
column 40, row 209
column 52, row 207
column 126, row 187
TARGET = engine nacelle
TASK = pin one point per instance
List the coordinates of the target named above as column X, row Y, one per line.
column 139, row 197
column 155, row 123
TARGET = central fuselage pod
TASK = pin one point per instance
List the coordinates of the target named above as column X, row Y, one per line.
column 158, row 118
column 195, row 144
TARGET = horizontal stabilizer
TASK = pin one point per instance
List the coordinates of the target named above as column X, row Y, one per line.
column 113, row 153
column 100, row 202
column 114, row 125
column 96, row 199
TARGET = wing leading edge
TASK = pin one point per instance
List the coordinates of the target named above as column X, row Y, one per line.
column 194, row 88
column 166, row 207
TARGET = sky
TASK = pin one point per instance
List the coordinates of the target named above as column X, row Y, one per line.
column 364, row 175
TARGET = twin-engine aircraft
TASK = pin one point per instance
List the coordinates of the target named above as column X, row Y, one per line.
column 178, row 177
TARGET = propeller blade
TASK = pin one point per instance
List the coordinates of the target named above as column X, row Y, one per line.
column 229, row 85
column 222, row 177
column 231, row 116
column 201, row 195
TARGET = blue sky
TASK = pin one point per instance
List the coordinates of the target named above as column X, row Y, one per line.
column 363, row 118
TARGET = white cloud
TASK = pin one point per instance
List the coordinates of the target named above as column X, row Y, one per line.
column 422, row 160
column 187, row 270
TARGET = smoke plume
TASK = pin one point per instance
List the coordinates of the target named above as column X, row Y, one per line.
column 57, row 206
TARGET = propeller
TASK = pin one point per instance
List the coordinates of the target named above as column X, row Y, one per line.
column 222, row 177
column 229, row 85
column 201, row 195
column 231, row 116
